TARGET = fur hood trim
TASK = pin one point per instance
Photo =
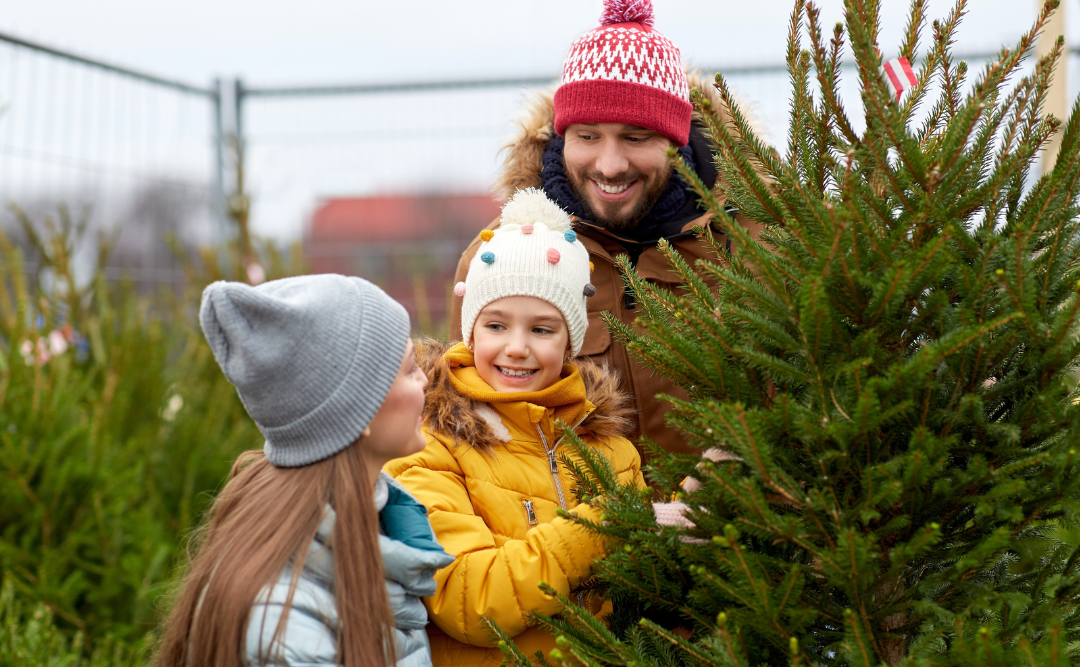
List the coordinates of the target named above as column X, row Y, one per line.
column 521, row 169
column 477, row 425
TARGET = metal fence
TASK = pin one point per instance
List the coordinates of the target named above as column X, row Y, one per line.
column 307, row 142
column 149, row 154
column 131, row 151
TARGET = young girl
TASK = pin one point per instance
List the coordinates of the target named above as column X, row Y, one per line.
column 309, row 556
column 490, row 474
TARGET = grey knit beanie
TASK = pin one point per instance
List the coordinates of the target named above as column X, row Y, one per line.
column 312, row 358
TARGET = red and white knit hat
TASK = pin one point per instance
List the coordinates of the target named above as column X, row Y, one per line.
column 625, row 72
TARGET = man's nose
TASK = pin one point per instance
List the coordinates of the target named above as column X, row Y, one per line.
column 612, row 162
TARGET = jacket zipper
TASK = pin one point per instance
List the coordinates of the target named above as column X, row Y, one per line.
column 530, row 513
column 555, row 476
column 554, row 464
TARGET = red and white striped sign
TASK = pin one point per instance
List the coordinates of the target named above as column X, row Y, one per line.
column 899, row 75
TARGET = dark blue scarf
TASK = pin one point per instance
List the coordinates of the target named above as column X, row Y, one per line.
column 557, row 185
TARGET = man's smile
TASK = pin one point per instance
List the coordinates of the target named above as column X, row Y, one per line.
column 614, row 191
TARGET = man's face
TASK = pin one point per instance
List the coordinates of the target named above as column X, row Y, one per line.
column 617, row 171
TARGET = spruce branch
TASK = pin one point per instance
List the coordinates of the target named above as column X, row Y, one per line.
column 512, row 655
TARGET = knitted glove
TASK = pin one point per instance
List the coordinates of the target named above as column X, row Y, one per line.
column 674, row 514
column 715, row 455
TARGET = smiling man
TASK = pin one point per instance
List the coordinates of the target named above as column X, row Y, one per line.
column 598, row 148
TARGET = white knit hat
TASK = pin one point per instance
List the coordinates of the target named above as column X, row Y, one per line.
column 534, row 252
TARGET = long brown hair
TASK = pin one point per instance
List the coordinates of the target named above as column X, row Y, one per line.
column 264, row 518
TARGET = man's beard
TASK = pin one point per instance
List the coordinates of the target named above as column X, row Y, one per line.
column 611, row 219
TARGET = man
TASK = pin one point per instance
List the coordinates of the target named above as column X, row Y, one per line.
column 598, row 148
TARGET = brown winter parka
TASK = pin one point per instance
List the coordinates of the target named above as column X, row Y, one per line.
column 522, row 170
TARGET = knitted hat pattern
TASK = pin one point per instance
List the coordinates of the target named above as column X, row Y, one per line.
column 312, row 358
column 625, row 71
column 534, row 252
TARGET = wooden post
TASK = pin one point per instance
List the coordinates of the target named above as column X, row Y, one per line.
column 1057, row 97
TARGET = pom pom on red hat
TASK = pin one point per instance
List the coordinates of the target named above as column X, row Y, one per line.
column 627, row 11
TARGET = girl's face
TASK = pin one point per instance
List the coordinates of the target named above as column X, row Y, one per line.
column 520, row 343
column 396, row 429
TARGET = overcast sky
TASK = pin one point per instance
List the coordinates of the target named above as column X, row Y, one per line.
column 275, row 41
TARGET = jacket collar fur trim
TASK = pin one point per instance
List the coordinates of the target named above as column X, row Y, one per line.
column 458, row 408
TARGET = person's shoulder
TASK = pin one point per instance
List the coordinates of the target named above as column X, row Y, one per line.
column 523, row 154
column 621, row 452
column 309, row 635
column 613, row 412
column 437, row 455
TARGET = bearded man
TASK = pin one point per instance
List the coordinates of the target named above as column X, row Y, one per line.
column 598, row 147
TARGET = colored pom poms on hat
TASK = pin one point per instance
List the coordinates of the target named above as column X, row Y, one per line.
column 553, row 256
column 526, row 229
column 486, row 236
column 590, row 290
column 459, row 289
column 488, row 257
column 627, row 11
column 570, row 236
column 592, row 267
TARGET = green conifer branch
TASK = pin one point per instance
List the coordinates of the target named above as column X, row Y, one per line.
column 689, row 279
column 758, row 254
column 798, row 63
column 737, row 166
column 761, row 153
column 512, row 655
column 828, row 79
column 824, row 139
column 598, row 474
column 939, row 57
column 691, row 650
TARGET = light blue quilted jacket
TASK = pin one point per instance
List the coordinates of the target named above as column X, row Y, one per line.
column 309, row 634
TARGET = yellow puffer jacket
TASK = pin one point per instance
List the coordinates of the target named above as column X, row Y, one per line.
column 492, row 482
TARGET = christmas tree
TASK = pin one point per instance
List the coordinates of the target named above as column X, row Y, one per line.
column 889, row 365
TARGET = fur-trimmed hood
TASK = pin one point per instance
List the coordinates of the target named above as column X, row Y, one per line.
column 522, row 166
column 476, row 424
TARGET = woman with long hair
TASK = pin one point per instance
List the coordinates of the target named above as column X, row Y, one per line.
column 310, row 555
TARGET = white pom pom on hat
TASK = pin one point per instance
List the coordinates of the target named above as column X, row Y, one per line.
column 533, row 252
column 530, row 206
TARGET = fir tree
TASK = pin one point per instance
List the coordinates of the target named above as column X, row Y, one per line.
column 889, row 362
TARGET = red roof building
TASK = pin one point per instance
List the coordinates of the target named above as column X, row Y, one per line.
column 408, row 245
